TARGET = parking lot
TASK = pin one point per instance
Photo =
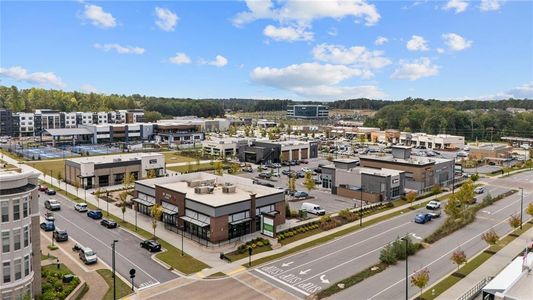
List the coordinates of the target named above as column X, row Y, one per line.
column 89, row 233
column 320, row 196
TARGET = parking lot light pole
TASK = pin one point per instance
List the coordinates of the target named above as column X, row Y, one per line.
column 521, row 206
column 113, row 262
column 361, row 209
column 182, row 234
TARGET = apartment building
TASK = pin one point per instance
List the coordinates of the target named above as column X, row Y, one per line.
column 308, row 112
column 345, row 178
column 212, row 208
column 421, row 173
column 94, row 172
column 20, row 253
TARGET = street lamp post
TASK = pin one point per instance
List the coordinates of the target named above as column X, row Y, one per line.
column 361, row 209
column 113, row 262
column 406, row 240
column 182, row 234
column 521, row 206
column 107, row 201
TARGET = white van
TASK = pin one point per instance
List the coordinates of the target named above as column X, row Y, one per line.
column 313, row 209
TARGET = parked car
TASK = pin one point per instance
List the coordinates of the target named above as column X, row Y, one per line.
column 50, row 192
column 264, row 175
column 81, row 207
column 285, row 172
column 301, row 194
column 48, row 226
column 94, row 214
column 108, row 223
column 317, row 170
column 60, row 235
column 434, row 213
column 433, row 205
column 88, row 256
column 313, row 208
column 43, row 187
column 49, row 216
column 422, row 218
column 248, row 169
column 52, row 204
column 303, row 161
column 151, row 245
column 300, row 174
column 479, row 190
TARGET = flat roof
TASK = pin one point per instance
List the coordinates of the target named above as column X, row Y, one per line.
column 508, row 276
column 346, row 160
column 243, row 188
column 68, row 131
column 413, row 160
column 112, row 158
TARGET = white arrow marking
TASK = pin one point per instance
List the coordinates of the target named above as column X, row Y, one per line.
column 323, row 279
column 486, row 211
column 286, row 264
column 304, row 272
column 416, row 236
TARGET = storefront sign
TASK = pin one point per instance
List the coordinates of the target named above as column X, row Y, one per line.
column 268, row 226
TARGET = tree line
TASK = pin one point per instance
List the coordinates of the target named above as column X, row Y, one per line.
column 482, row 124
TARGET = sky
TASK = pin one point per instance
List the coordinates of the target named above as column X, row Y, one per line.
column 287, row 49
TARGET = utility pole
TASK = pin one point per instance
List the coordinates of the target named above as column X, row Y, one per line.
column 521, row 206
column 113, row 263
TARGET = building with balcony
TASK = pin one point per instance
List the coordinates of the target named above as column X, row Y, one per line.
column 20, row 273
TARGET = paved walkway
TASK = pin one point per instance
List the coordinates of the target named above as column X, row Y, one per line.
column 207, row 255
column 97, row 285
column 491, row 267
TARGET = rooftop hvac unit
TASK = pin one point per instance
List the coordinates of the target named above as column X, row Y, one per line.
column 229, row 189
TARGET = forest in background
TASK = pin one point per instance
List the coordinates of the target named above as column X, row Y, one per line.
column 470, row 118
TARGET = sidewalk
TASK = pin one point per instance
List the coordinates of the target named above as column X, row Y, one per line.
column 209, row 256
column 491, row 267
column 207, row 161
column 97, row 285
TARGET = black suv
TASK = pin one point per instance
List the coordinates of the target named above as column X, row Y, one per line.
column 60, row 235
column 108, row 223
column 151, row 245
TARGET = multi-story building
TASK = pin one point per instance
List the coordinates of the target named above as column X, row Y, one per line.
column 221, row 147
column 6, row 122
column 84, row 118
column 27, row 123
column 212, row 208
column 20, row 273
column 345, row 178
column 263, row 151
column 421, row 173
column 179, row 131
column 94, row 172
column 68, row 120
column 308, row 112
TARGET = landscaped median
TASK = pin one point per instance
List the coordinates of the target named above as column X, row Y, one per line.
column 185, row 264
column 122, row 288
column 446, row 283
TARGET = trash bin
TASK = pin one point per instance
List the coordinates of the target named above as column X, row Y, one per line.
column 68, row 278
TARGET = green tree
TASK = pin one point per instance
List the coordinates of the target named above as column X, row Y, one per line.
column 420, row 279
column 232, row 130
column 128, row 181
column 410, row 197
column 529, row 209
column 151, row 174
column 218, row 168
column 292, row 183
column 309, row 181
column 235, row 168
column 123, row 196
column 155, row 212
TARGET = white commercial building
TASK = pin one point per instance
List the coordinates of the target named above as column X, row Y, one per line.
column 429, row 141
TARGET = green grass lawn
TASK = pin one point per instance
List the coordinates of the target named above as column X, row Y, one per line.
column 173, row 157
column 193, row 167
column 52, row 284
column 54, row 166
column 233, row 256
column 217, row 275
column 185, row 264
column 122, row 289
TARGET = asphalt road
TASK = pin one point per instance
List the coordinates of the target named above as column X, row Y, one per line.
column 310, row 271
column 90, row 233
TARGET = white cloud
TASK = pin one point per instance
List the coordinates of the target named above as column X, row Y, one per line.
column 380, row 40
column 98, row 16
column 520, row 92
column 456, row 42
column 180, row 59
column 417, row 43
column 458, row 5
column 416, row 69
column 218, row 62
column 315, row 80
column 289, row 33
column 305, row 12
column 120, row 49
column 166, row 19
column 357, row 55
column 490, row 5
column 18, row 73
column 333, row 31
column 440, row 50
column 87, row 88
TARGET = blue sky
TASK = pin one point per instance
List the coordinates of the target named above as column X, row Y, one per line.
column 302, row 50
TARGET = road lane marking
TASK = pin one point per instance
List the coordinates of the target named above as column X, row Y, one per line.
column 323, row 279
column 108, row 247
column 305, row 272
column 441, row 257
column 287, row 264
column 282, row 282
column 353, row 245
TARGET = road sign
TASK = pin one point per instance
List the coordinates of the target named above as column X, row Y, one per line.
column 132, row 273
